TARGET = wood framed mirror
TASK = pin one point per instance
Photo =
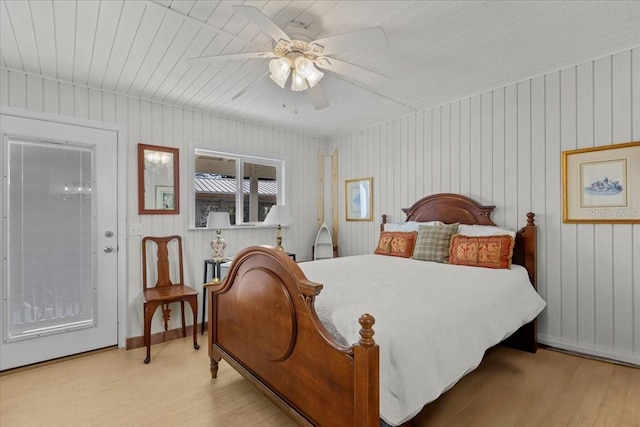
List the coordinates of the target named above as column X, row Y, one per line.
column 158, row 180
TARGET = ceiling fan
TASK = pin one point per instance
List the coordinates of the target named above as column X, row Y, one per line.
column 296, row 54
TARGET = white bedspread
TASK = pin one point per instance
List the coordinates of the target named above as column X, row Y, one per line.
column 433, row 321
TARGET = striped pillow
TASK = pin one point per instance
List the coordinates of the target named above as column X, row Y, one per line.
column 432, row 243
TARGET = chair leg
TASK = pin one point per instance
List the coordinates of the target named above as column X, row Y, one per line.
column 193, row 302
column 184, row 325
column 149, row 310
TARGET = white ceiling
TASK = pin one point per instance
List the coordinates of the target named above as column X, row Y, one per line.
column 439, row 51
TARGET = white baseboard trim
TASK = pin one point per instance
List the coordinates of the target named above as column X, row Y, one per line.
column 591, row 350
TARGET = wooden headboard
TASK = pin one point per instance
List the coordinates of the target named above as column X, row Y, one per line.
column 451, row 208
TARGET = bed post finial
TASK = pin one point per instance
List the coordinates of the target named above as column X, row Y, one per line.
column 366, row 333
column 530, row 218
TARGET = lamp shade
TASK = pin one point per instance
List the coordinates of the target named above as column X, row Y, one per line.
column 298, row 83
column 278, row 215
column 315, row 77
column 304, row 67
column 218, row 220
column 280, row 69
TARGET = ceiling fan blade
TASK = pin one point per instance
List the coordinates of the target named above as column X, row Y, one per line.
column 367, row 77
column 317, row 98
column 262, row 21
column 355, row 41
column 230, row 56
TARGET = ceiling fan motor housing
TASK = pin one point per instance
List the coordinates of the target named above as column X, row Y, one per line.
column 299, row 44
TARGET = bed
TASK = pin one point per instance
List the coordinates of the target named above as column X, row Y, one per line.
column 263, row 320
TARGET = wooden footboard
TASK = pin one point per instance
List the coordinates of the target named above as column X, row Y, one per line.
column 281, row 346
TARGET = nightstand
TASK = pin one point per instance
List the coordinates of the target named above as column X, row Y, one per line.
column 217, row 271
column 224, row 269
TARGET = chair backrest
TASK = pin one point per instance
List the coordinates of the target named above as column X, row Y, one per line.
column 162, row 260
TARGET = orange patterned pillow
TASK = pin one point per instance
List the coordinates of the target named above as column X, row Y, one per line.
column 481, row 251
column 396, row 243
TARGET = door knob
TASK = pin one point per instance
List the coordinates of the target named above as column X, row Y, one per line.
column 108, row 249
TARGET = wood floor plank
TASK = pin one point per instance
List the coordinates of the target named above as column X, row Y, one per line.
column 115, row 387
column 614, row 401
column 586, row 411
column 569, row 398
column 554, row 371
column 631, row 415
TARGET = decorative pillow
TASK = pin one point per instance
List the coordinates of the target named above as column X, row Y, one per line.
column 409, row 225
column 432, row 243
column 482, row 251
column 396, row 243
column 484, row 230
column 401, row 226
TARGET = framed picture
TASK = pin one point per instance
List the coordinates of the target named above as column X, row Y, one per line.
column 602, row 184
column 358, row 203
column 164, row 197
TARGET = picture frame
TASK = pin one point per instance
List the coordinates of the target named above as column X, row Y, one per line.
column 358, row 199
column 165, row 199
column 601, row 184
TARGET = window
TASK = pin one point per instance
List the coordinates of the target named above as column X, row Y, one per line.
column 245, row 186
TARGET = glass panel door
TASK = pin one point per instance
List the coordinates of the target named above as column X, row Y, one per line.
column 59, row 240
column 50, row 252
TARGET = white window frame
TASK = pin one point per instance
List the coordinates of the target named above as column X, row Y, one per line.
column 279, row 162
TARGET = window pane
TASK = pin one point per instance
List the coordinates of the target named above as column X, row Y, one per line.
column 215, row 187
column 260, row 191
column 50, row 218
column 242, row 185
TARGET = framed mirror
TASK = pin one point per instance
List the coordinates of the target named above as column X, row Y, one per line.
column 158, row 180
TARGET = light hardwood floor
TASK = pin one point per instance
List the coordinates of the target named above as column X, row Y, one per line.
column 115, row 388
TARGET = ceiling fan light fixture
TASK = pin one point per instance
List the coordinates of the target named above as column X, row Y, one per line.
column 280, row 69
column 304, row 67
column 280, row 80
column 315, row 77
column 298, row 83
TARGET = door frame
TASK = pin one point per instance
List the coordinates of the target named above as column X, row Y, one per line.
column 122, row 180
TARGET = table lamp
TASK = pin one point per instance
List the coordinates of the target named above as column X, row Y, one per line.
column 278, row 215
column 217, row 221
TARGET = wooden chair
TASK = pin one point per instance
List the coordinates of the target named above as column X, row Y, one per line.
column 165, row 292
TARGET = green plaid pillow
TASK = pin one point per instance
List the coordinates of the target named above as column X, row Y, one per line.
column 432, row 243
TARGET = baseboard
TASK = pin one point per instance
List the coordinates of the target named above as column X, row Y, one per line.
column 604, row 353
column 57, row 360
column 159, row 337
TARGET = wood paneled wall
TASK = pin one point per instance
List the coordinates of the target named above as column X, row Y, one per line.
column 159, row 124
column 503, row 147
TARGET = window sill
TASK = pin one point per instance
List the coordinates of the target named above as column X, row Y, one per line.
column 239, row 227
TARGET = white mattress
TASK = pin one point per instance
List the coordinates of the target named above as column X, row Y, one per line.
column 433, row 321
